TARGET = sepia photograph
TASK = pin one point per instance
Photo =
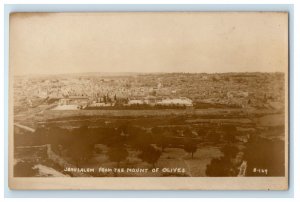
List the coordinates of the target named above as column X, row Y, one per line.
column 161, row 100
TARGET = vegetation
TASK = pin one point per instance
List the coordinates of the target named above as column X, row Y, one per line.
column 270, row 157
column 136, row 107
column 161, row 137
column 221, row 167
column 190, row 147
column 148, row 138
column 24, row 169
column 117, row 154
column 150, row 155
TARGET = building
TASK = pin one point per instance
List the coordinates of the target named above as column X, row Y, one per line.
column 152, row 100
column 134, row 102
column 176, row 101
column 72, row 103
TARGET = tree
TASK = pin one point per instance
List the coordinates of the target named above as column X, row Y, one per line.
column 25, row 169
column 162, row 140
column 190, row 147
column 161, row 137
column 202, row 132
column 80, row 148
column 150, row 155
column 117, row 154
column 112, row 137
column 138, row 142
column 213, row 136
column 229, row 133
column 229, row 151
column 218, row 167
column 223, row 166
column 188, row 133
column 124, row 128
column 138, row 138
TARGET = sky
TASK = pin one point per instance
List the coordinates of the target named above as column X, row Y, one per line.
column 57, row 43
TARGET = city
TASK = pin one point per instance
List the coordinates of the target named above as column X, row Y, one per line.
column 222, row 124
column 244, row 90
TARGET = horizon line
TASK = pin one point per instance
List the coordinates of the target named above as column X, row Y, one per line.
column 78, row 73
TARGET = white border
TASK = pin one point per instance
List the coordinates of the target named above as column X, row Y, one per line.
column 296, row 53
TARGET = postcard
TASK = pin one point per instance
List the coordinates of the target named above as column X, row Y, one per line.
column 148, row 101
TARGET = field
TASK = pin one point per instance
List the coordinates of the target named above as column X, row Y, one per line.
column 212, row 131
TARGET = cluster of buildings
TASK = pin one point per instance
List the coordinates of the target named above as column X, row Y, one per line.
column 182, row 89
column 72, row 103
column 182, row 101
column 82, row 102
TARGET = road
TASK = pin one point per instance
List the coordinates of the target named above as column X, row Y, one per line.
column 25, row 127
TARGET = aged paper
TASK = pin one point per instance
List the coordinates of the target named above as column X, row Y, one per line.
column 149, row 100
